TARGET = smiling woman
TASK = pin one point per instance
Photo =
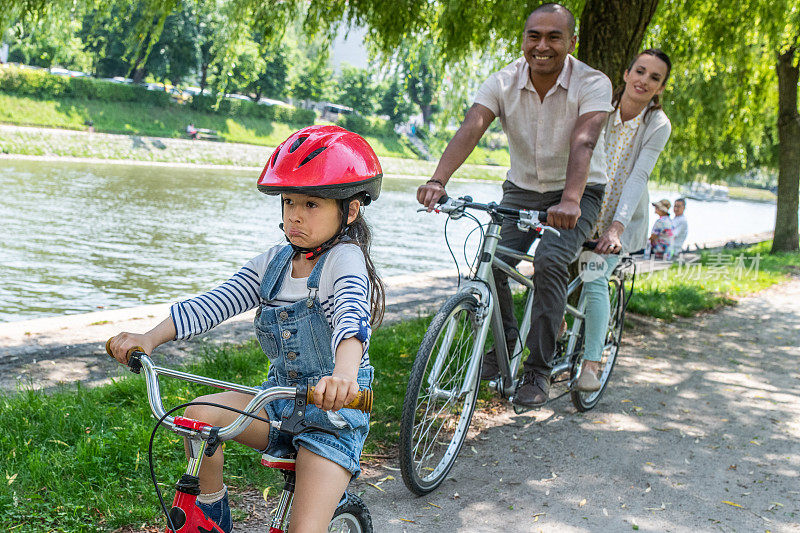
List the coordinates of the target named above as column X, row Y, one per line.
column 636, row 133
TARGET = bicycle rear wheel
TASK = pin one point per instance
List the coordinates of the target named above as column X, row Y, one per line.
column 584, row 401
column 352, row 516
column 438, row 405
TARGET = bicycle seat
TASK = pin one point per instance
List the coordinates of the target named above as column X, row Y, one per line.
column 281, row 463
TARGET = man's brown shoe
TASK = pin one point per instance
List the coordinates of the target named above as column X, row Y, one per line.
column 533, row 390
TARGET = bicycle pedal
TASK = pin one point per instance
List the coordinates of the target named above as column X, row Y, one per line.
column 519, row 409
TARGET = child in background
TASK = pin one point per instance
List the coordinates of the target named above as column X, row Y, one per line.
column 661, row 235
column 318, row 297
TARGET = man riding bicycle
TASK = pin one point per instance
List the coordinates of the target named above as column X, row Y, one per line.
column 552, row 108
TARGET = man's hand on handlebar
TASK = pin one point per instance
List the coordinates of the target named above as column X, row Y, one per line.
column 428, row 194
column 119, row 345
column 564, row 215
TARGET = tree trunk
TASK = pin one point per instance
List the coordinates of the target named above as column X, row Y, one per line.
column 611, row 33
column 427, row 112
column 786, row 230
column 203, row 77
column 138, row 73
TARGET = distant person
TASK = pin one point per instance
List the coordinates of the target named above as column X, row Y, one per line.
column 552, row 108
column 191, row 131
column 636, row 133
column 661, row 235
column 679, row 226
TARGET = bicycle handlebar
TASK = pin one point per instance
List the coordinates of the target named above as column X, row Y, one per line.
column 591, row 245
column 526, row 218
column 138, row 360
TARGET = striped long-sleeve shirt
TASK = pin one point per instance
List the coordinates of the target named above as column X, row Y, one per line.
column 343, row 293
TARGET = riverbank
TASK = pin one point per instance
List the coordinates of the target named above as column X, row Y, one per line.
column 48, row 144
column 44, row 352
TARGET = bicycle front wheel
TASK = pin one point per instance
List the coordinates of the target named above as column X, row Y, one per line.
column 584, row 401
column 439, row 402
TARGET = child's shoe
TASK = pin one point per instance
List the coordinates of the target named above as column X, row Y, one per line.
column 219, row 512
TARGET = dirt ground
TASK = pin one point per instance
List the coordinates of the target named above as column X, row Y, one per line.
column 698, row 431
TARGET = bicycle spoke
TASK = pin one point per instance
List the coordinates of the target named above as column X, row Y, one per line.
column 439, row 402
column 438, row 409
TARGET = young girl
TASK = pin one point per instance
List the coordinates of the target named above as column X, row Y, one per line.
column 636, row 133
column 317, row 298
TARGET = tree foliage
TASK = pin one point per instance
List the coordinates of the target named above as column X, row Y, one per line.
column 728, row 112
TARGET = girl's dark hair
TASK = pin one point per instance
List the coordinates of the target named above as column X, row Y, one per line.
column 655, row 52
column 361, row 234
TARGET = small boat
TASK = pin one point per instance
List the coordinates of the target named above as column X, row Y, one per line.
column 705, row 192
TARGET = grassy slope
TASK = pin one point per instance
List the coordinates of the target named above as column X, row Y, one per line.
column 170, row 122
column 143, row 119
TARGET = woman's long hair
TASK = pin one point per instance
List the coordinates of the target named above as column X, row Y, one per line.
column 655, row 52
column 361, row 234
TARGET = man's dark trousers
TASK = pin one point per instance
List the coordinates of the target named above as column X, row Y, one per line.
column 552, row 257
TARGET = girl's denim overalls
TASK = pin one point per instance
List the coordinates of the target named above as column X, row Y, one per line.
column 297, row 340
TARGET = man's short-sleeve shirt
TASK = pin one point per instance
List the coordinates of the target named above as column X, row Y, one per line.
column 539, row 131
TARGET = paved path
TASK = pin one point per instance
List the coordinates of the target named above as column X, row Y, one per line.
column 700, row 431
column 42, row 353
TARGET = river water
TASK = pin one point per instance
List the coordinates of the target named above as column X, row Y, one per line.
column 77, row 237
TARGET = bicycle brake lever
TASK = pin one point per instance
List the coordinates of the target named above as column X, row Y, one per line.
column 554, row 230
column 296, row 423
column 330, row 432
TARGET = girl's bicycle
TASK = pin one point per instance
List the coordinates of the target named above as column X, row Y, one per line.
column 445, row 378
column 184, row 516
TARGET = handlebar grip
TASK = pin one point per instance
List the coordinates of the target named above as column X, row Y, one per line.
column 591, row 245
column 543, row 217
column 362, row 402
column 133, row 362
column 131, row 351
column 443, row 199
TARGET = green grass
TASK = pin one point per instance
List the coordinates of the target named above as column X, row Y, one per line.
column 157, row 121
column 717, row 281
column 76, row 459
column 753, row 195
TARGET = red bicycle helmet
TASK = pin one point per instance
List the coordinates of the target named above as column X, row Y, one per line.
column 323, row 161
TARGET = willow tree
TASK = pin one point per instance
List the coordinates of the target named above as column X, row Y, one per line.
column 734, row 98
column 736, row 63
column 611, row 30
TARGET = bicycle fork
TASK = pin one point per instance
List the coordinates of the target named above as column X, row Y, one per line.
column 482, row 312
column 184, row 515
